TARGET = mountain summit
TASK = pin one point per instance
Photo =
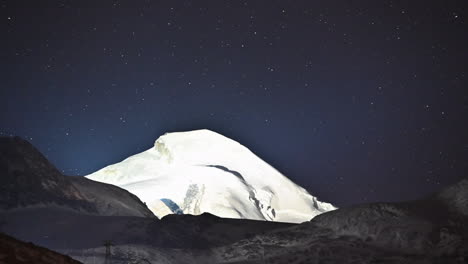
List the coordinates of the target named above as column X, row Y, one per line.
column 202, row 171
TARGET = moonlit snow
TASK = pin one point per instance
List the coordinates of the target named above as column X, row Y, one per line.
column 202, row 171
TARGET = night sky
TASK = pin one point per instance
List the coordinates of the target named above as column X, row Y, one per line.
column 357, row 101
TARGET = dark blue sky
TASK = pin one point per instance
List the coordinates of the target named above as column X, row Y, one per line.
column 356, row 101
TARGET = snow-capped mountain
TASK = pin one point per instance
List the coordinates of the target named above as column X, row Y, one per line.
column 202, row 171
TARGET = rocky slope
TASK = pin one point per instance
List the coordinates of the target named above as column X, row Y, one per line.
column 430, row 230
column 13, row 251
column 28, row 180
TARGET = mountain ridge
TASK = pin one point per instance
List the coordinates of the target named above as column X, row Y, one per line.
column 429, row 230
column 29, row 180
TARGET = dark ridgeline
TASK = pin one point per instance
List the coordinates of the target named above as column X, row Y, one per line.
column 28, row 179
column 75, row 215
column 14, row 251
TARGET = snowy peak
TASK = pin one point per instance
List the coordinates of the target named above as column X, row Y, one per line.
column 202, row 171
column 179, row 147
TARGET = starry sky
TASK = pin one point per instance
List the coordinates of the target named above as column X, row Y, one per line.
column 357, row 101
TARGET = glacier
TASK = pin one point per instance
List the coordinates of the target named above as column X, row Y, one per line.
column 202, row 171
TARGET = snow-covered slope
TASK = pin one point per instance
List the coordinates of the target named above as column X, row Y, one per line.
column 202, row 171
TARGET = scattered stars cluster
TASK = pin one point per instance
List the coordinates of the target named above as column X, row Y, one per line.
column 356, row 100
